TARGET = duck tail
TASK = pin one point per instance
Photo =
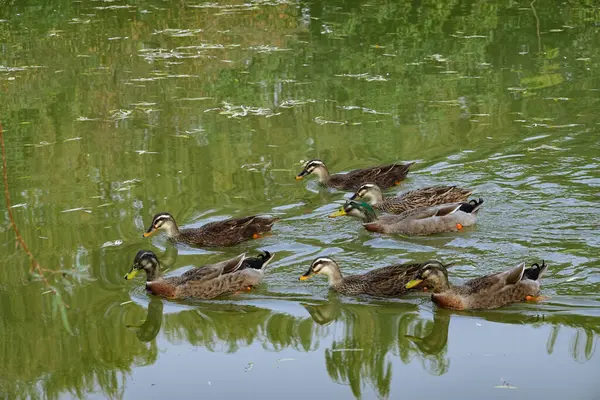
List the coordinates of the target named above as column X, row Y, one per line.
column 536, row 271
column 259, row 262
column 472, row 206
column 267, row 221
column 266, row 259
column 271, row 221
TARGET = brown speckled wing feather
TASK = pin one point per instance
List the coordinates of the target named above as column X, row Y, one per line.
column 224, row 284
column 384, row 176
column 426, row 197
column 228, row 232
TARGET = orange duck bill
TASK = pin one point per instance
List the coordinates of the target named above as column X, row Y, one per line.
column 150, row 231
column 307, row 274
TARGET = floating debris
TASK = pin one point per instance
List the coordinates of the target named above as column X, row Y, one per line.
column 43, row 143
column 194, row 98
column 140, row 152
column 573, row 278
column 120, row 114
column 204, row 46
column 84, row 209
column 178, row 32
column 267, row 49
column 365, row 76
column 339, row 350
column 545, row 147
column 437, row 57
column 112, row 244
column 286, row 359
column 363, row 109
column 319, row 120
column 147, row 79
column 78, row 21
column 296, row 103
column 229, row 8
column 235, row 111
column 11, row 69
column 114, row 7
column 505, row 385
column 164, row 54
column 182, row 76
column 249, row 367
column 446, row 102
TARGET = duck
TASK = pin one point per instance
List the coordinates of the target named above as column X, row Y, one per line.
column 230, row 276
column 387, row 281
column 214, row 234
column 491, row 291
column 419, row 221
column 372, row 194
column 385, row 176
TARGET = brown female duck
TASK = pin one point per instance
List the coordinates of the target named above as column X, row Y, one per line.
column 491, row 291
column 388, row 281
column 237, row 274
column 385, row 175
column 371, row 194
column 214, row 234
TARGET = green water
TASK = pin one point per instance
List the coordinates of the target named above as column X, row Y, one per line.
column 114, row 110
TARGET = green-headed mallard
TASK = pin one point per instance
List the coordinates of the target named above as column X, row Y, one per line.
column 371, row 194
column 491, row 291
column 385, row 282
column 207, row 282
column 385, row 175
column 420, row 221
column 214, row 234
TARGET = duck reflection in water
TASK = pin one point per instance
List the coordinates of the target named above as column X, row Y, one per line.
column 148, row 330
column 397, row 328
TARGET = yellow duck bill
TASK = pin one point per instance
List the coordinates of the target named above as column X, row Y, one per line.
column 413, row 283
column 307, row 275
column 340, row 213
column 149, row 231
column 298, row 177
column 131, row 274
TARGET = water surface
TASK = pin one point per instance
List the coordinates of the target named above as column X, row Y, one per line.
column 114, row 110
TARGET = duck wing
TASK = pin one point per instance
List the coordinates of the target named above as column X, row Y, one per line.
column 213, row 271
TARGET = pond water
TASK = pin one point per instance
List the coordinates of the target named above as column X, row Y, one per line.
column 115, row 110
